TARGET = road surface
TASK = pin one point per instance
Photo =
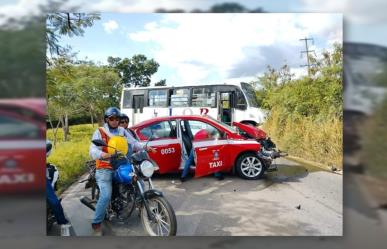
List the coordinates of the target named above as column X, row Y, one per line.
column 296, row 200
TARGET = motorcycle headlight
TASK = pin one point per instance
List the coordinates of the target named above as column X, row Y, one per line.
column 147, row 168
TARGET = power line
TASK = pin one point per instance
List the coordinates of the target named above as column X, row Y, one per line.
column 307, row 51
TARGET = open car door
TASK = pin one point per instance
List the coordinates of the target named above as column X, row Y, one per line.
column 210, row 153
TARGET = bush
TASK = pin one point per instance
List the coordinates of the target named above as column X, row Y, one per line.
column 319, row 141
column 375, row 142
column 306, row 114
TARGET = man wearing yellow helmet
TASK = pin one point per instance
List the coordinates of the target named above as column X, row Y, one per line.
column 104, row 170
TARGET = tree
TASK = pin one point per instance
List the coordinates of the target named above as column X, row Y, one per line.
column 77, row 89
column 231, row 7
column 227, row 8
column 22, row 70
column 269, row 81
column 70, row 24
column 61, row 93
column 136, row 71
column 161, row 83
column 317, row 96
column 98, row 87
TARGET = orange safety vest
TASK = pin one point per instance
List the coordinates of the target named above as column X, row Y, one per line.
column 103, row 164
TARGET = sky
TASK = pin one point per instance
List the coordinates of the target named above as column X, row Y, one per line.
column 209, row 48
column 364, row 21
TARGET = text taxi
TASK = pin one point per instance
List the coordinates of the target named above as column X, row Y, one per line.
column 22, row 145
column 224, row 151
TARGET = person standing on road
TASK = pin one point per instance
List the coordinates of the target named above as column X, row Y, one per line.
column 104, row 170
column 52, row 175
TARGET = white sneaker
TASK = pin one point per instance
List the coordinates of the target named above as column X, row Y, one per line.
column 65, row 230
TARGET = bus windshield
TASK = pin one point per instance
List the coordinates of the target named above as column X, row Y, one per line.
column 250, row 94
column 368, row 70
column 367, row 64
column 226, row 126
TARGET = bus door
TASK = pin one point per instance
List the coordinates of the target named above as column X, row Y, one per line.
column 138, row 108
column 225, row 104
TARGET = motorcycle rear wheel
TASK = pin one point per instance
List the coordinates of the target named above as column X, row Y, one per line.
column 165, row 219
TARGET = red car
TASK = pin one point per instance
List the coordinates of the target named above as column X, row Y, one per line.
column 226, row 151
column 22, row 145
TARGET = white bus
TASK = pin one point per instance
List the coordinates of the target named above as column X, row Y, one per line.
column 365, row 87
column 225, row 102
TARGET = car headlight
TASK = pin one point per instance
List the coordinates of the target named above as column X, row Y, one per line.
column 147, row 168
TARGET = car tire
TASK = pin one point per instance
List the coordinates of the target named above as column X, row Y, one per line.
column 249, row 166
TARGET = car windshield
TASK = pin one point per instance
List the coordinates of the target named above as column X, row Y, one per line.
column 250, row 94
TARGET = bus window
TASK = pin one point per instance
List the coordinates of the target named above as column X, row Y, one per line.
column 173, row 125
column 240, row 100
column 203, row 97
column 126, row 103
column 180, row 97
column 250, row 94
column 157, row 98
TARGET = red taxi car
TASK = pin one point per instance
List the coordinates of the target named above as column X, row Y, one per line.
column 226, row 151
column 22, row 145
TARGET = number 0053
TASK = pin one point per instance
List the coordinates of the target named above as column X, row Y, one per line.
column 167, row 151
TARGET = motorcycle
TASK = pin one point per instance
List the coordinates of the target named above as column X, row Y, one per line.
column 268, row 150
column 133, row 189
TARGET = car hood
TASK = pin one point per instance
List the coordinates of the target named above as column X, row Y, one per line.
column 251, row 131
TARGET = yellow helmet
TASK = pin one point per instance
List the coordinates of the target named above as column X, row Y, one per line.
column 118, row 142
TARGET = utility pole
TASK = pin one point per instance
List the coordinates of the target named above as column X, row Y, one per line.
column 307, row 51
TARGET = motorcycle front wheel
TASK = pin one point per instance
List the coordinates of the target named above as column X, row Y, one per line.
column 165, row 219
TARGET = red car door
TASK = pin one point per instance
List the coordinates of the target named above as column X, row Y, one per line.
column 168, row 149
column 210, row 153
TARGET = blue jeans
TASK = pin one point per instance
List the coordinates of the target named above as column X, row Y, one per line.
column 104, row 179
column 55, row 205
column 188, row 163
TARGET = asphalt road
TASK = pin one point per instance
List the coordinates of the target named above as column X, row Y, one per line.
column 293, row 201
column 22, row 225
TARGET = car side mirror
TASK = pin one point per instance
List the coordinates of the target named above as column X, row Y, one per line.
column 99, row 142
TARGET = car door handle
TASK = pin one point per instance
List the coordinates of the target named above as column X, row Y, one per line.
column 204, row 148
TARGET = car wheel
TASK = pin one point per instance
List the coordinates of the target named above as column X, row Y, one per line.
column 249, row 166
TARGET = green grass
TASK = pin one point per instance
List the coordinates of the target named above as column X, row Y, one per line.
column 70, row 156
column 374, row 142
column 318, row 141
